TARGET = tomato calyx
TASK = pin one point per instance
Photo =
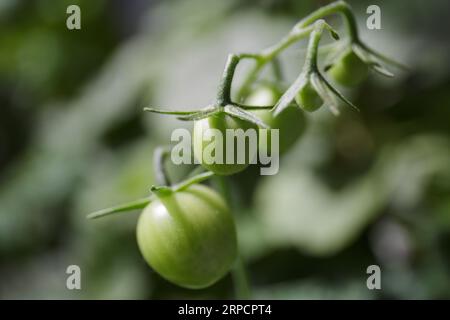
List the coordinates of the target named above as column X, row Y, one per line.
column 235, row 110
column 290, row 123
column 156, row 191
column 311, row 87
column 348, row 64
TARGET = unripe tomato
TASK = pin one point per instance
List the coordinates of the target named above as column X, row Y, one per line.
column 349, row 70
column 222, row 122
column 188, row 237
column 290, row 122
column 308, row 98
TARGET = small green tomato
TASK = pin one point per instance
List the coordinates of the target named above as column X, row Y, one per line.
column 188, row 237
column 217, row 147
column 349, row 70
column 308, row 98
column 290, row 122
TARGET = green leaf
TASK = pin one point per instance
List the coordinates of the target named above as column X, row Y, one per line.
column 362, row 54
column 290, row 94
column 235, row 111
column 133, row 205
column 381, row 70
column 205, row 113
column 323, row 92
column 193, row 180
column 384, row 58
column 338, row 94
column 370, row 57
column 169, row 112
column 246, row 107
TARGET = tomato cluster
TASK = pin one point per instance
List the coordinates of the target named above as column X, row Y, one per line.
column 186, row 232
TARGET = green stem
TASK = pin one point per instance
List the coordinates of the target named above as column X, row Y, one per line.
column 298, row 32
column 246, row 107
column 169, row 112
column 267, row 55
column 238, row 273
column 224, row 91
column 341, row 7
column 240, row 280
column 313, row 45
column 159, row 157
column 157, row 190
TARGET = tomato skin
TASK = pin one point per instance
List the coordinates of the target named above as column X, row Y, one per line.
column 308, row 99
column 221, row 122
column 349, row 70
column 290, row 122
column 188, row 237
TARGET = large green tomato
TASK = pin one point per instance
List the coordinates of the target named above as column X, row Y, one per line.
column 202, row 146
column 188, row 237
column 349, row 70
column 308, row 99
column 290, row 122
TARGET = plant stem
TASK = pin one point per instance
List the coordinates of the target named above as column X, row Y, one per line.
column 267, row 55
column 159, row 157
column 336, row 7
column 298, row 32
column 313, row 46
column 241, row 284
column 240, row 280
column 224, row 91
column 142, row 203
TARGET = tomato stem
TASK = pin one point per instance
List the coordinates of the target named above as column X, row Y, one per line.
column 298, row 32
column 310, row 70
column 239, row 274
column 240, row 280
column 159, row 157
column 224, row 91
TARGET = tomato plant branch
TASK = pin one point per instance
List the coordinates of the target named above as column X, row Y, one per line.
column 341, row 7
column 240, row 280
column 224, row 91
column 159, row 157
column 311, row 75
column 239, row 274
column 301, row 30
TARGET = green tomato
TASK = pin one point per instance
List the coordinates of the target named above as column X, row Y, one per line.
column 290, row 122
column 204, row 147
column 349, row 70
column 308, row 98
column 188, row 237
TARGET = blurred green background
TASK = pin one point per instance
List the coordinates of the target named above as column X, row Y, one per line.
column 359, row 189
